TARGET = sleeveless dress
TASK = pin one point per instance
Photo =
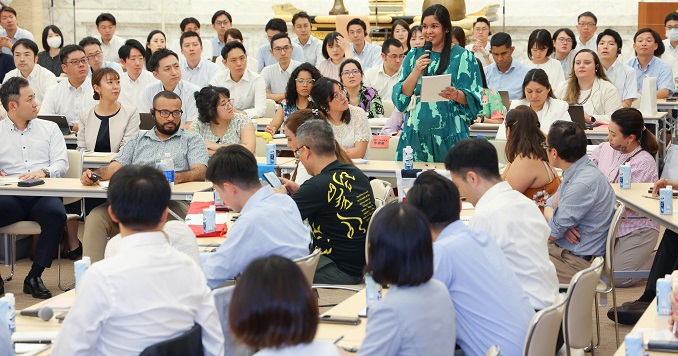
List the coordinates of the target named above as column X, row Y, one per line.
column 541, row 194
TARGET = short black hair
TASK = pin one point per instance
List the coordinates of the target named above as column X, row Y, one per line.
column 483, row 20
column 569, row 33
column 437, row 197
column 541, row 39
column 500, row 39
column 588, row 14
column 657, row 39
column 9, row 9
column 219, row 13
column 167, row 95
column 189, row 34
column 329, row 41
column 228, row 46
column 672, row 16
column 68, row 49
column 568, row 139
column 11, row 90
column 105, row 16
column 89, row 40
column 138, row 196
column 45, row 33
column 233, row 164
column 207, row 100
column 612, row 33
column 291, row 94
column 278, row 36
column 357, row 21
column 28, row 43
column 399, row 247
column 154, row 62
column 391, row 41
column 353, row 61
column 126, row 49
column 276, row 25
column 300, row 15
column 188, row 20
column 473, row 154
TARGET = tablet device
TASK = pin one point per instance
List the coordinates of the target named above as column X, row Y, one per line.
column 577, row 115
column 60, row 120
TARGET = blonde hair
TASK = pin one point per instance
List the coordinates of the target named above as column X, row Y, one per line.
column 573, row 91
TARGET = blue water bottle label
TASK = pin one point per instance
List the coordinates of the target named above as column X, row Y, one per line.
column 270, row 153
column 169, row 174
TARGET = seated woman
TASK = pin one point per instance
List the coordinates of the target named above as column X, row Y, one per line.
column 233, row 34
column 335, row 50
column 400, row 30
column 297, row 95
column 588, row 86
column 538, row 95
column 416, row 38
column 630, row 142
column 52, row 41
column 218, row 123
column 109, row 125
column 274, row 310
column 155, row 41
column 359, row 95
column 529, row 171
column 300, row 175
column 417, row 316
column 539, row 50
column 349, row 122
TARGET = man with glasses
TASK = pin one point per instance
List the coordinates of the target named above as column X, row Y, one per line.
column 95, row 56
column 110, row 42
column 25, row 59
column 264, row 55
column 277, row 75
column 70, row 96
column 190, row 163
column 368, row 53
column 587, row 24
column 384, row 77
column 337, row 201
column 313, row 47
column 671, row 41
column 579, row 214
column 221, row 22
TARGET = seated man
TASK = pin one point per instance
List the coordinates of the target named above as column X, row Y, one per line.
column 620, row 74
column 25, row 59
column 136, row 78
column 31, row 148
column 165, row 66
column 190, row 163
column 579, row 214
column 505, row 74
column 512, row 219
column 233, row 171
column 338, row 203
column 110, row 42
column 369, row 54
column 194, row 68
column 277, row 75
column 95, row 56
column 10, row 32
column 648, row 45
column 470, row 260
column 264, row 55
column 147, row 293
column 191, row 24
column 385, row 76
column 313, row 47
column 221, row 22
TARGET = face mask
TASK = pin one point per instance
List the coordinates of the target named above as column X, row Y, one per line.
column 54, row 42
column 672, row 34
column 619, row 148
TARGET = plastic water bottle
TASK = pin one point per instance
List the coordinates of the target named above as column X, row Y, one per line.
column 408, row 158
column 11, row 313
column 5, row 313
column 664, row 288
column 167, row 165
column 80, row 267
column 372, row 291
column 625, row 176
column 634, row 344
column 666, row 200
column 270, row 153
column 209, row 219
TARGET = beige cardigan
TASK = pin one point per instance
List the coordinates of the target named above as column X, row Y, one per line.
column 122, row 127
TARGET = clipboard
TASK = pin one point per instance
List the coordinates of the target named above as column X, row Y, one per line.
column 432, row 85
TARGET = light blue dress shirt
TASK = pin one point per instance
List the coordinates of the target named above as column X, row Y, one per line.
column 586, row 200
column 656, row 68
column 511, row 81
column 313, row 50
column 217, row 46
column 201, row 74
column 251, row 237
column 185, row 91
column 40, row 145
column 19, row 34
column 624, row 78
column 370, row 56
column 491, row 307
column 266, row 59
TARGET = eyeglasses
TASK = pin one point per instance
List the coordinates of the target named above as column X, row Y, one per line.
column 280, row 49
column 75, row 62
column 394, row 56
column 305, row 81
column 545, row 146
column 587, row 24
column 166, row 113
column 94, row 55
column 219, row 23
column 228, row 104
column 339, row 95
column 564, row 40
column 347, row 73
column 296, row 152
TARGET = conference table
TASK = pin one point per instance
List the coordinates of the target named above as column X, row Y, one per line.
column 94, row 160
column 639, row 200
column 375, row 124
column 375, row 168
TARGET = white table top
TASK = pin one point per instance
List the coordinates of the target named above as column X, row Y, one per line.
column 635, row 199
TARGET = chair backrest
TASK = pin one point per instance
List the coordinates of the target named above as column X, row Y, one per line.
column 270, row 108
column 75, row 163
column 260, row 149
column 308, row 264
column 189, row 343
column 367, row 236
column 577, row 317
column 222, row 300
column 381, row 190
column 385, row 154
column 612, row 239
column 542, row 335
column 388, row 107
column 500, row 146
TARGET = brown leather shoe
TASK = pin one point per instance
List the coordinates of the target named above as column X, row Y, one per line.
column 629, row 313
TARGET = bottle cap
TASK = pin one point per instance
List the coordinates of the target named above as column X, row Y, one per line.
column 669, row 187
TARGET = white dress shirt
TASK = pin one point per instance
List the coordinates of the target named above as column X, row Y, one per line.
column 552, row 111
column 110, row 50
column 484, row 60
column 147, row 293
column 670, row 49
column 40, row 145
column 383, row 83
column 20, row 33
column 553, row 69
column 624, row 79
column 590, row 44
column 40, row 80
column 370, row 56
column 313, row 50
column 249, row 94
column 64, row 99
column 672, row 62
column 131, row 90
column 521, row 232
column 201, row 74
column 185, row 91
column 276, row 78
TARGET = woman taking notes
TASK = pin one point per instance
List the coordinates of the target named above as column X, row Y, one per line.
column 366, row 98
column 218, row 123
column 588, row 86
column 296, row 96
column 416, row 317
column 109, row 125
column 432, row 128
column 529, row 171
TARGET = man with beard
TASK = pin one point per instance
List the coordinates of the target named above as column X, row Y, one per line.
column 190, row 163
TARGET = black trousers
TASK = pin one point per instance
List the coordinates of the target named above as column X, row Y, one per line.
column 49, row 212
column 665, row 262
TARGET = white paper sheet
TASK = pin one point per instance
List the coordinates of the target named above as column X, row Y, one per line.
column 98, row 154
column 431, row 86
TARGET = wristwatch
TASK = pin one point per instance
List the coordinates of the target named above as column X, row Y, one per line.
column 593, row 119
column 46, row 172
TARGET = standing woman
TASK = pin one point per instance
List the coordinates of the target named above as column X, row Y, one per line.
column 432, row 128
column 630, row 142
column 564, row 42
column 297, row 95
column 335, row 50
column 154, row 42
column 366, row 98
column 400, row 30
column 52, row 41
column 481, row 46
column 539, row 50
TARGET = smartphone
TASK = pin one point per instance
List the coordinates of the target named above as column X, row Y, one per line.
column 94, row 177
column 272, row 179
column 347, row 320
column 675, row 192
column 671, row 99
column 30, row 182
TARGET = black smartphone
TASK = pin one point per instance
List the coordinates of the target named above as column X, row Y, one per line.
column 30, row 182
column 348, row 320
column 94, row 177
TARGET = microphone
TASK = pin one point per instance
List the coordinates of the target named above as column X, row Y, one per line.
column 44, row 313
column 428, row 46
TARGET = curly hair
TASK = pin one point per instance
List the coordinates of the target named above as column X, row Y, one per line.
column 291, row 94
column 207, row 99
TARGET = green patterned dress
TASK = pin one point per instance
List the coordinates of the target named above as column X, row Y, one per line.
column 433, row 128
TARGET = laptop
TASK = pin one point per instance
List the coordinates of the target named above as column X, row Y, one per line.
column 505, row 99
column 60, row 120
column 577, row 115
column 147, row 121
